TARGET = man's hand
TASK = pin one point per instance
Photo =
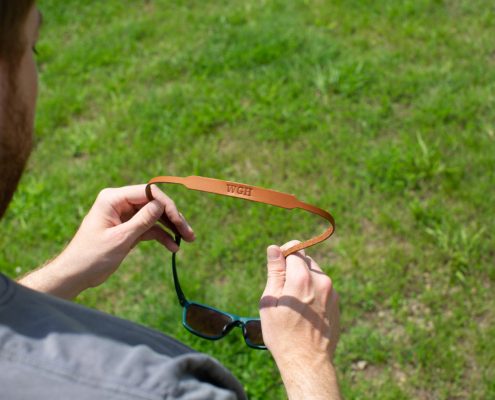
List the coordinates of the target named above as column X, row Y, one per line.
column 119, row 219
column 300, row 321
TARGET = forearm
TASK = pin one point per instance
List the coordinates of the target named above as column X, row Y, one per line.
column 309, row 379
column 54, row 278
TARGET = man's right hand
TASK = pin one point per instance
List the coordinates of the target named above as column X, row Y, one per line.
column 300, row 321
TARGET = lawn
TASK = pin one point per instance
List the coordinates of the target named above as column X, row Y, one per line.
column 381, row 112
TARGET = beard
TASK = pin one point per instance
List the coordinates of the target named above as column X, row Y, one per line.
column 15, row 142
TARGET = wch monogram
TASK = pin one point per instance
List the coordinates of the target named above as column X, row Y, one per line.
column 244, row 190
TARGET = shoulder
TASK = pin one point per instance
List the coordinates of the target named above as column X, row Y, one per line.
column 49, row 345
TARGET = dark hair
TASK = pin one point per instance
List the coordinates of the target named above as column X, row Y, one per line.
column 13, row 14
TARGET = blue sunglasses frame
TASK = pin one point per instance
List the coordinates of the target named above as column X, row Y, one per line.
column 234, row 320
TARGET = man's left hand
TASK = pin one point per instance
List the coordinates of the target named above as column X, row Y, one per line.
column 119, row 219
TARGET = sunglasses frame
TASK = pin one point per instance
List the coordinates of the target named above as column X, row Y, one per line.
column 235, row 319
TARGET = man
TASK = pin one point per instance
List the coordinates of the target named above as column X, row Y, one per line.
column 52, row 348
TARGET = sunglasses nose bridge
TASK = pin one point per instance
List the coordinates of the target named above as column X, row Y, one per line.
column 231, row 325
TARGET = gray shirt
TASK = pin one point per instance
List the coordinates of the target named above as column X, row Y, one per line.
column 55, row 349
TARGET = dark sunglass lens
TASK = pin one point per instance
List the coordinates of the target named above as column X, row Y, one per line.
column 253, row 333
column 206, row 321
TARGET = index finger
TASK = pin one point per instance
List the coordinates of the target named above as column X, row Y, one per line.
column 133, row 194
column 298, row 280
column 171, row 214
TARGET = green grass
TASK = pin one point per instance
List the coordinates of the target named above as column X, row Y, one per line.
column 380, row 111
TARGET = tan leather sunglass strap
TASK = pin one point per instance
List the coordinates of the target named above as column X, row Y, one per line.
column 253, row 193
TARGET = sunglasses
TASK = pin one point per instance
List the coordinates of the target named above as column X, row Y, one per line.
column 209, row 322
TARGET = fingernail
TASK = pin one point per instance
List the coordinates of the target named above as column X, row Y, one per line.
column 273, row 253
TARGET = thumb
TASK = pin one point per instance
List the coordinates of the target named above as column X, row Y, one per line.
column 144, row 220
column 275, row 271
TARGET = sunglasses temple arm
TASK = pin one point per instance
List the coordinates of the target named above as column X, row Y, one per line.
column 178, row 289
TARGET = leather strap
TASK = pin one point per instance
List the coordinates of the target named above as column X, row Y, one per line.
column 252, row 193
